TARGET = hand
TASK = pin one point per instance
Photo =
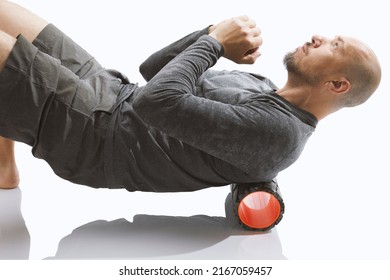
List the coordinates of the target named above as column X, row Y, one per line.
column 240, row 39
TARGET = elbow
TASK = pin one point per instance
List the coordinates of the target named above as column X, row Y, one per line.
column 146, row 103
column 144, row 70
column 141, row 103
column 155, row 102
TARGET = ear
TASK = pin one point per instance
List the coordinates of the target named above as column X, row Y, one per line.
column 339, row 86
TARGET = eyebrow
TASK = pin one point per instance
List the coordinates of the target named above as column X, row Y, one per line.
column 338, row 38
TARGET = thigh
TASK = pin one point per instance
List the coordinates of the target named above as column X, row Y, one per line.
column 6, row 44
column 15, row 20
column 57, row 44
column 63, row 117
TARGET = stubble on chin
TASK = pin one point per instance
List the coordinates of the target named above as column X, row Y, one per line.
column 292, row 67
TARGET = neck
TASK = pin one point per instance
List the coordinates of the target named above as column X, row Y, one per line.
column 307, row 98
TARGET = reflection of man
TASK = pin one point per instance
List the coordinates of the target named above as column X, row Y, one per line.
column 149, row 236
column 14, row 236
column 195, row 237
column 189, row 127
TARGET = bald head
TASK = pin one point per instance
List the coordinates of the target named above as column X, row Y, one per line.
column 328, row 74
column 362, row 69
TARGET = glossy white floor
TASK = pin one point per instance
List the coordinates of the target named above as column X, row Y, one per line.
column 336, row 195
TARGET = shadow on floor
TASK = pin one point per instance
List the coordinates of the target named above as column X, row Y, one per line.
column 169, row 237
column 146, row 237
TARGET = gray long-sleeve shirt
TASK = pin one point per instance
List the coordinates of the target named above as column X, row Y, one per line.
column 191, row 127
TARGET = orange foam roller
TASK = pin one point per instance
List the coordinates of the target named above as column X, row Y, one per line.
column 258, row 206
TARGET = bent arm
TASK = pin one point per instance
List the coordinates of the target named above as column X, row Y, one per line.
column 151, row 66
column 232, row 133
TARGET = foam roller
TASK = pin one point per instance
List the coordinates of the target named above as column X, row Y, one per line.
column 258, row 206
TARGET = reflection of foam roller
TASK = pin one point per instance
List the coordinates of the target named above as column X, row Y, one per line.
column 258, row 206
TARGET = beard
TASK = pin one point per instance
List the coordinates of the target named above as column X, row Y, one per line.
column 292, row 67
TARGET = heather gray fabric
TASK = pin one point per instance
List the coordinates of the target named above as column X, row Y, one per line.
column 56, row 98
column 189, row 128
column 197, row 127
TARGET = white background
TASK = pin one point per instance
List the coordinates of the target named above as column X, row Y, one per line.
column 336, row 195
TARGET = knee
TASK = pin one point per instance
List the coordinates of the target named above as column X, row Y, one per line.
column 2, row 4
column 3, row 1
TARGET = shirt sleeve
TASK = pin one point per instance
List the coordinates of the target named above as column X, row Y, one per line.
column 240, row 134
column 151, row 66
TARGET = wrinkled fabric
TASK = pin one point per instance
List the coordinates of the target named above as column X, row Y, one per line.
column 190, row 127
column 56, row 97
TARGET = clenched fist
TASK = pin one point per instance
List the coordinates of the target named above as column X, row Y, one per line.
column 240, row 39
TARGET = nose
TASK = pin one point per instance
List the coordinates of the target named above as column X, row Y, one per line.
column 316, row 41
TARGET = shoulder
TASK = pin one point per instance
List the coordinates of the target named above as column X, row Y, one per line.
column 277, row 137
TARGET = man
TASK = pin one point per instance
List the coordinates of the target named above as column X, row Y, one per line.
column 189, row 127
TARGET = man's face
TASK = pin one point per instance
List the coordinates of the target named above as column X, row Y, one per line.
column 316, row 60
